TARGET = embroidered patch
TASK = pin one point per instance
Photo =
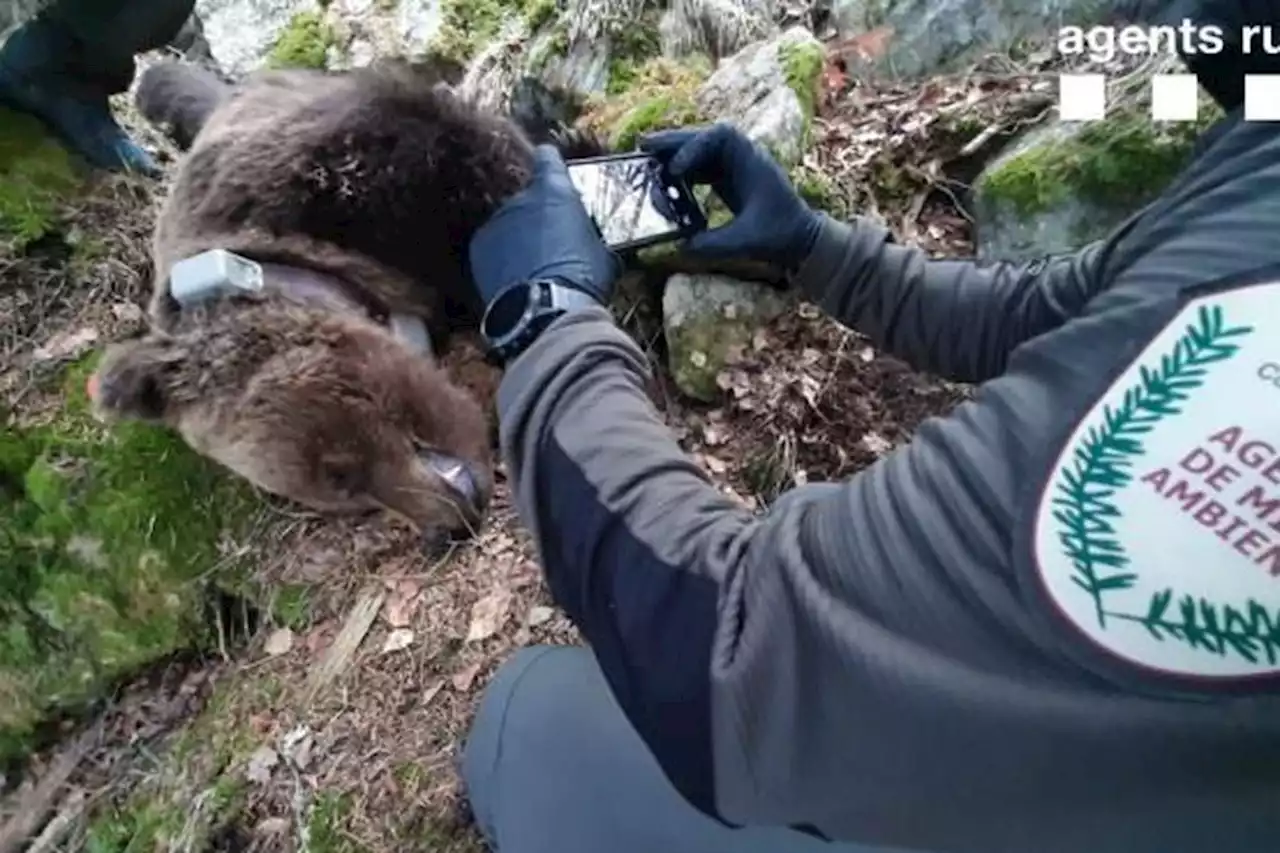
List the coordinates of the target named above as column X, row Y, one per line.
column 1158, row 535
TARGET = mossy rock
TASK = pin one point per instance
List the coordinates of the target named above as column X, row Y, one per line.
column 632, row 44
column 466, row 26
column 303, row 43
column 1065, row 185
column 37, row 175
column 661, row 95
column 105, row 533
column 802, row 63
column 706, row 318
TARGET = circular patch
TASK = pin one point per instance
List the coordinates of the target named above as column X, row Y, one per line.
column 1158, row 533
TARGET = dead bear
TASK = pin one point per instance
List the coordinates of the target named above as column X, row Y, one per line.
column 357, row 194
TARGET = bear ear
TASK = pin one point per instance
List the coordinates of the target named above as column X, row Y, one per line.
column 135, row 380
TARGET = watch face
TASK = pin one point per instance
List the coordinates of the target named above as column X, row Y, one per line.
column 505, row 314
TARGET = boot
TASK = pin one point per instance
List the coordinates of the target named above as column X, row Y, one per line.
column 37, row 76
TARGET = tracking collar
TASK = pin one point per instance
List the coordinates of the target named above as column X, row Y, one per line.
column 218, row 273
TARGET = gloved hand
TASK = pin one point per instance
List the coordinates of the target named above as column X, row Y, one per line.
column 33, row 80
column 771, row 223
column 544, row 231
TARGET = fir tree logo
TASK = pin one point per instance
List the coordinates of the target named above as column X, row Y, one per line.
column 1100, row 466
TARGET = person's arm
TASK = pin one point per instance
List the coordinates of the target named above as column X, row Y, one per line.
column 863, row 659
column 958, row 319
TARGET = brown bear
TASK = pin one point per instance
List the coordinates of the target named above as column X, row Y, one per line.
column 356, row 193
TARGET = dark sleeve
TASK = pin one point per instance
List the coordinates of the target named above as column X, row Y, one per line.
column 958, row 319
column 871, row 658
column 861, row 660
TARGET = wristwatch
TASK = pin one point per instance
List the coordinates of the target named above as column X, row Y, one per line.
column 519, row 313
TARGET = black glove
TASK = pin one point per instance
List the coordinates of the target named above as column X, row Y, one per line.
column 771, row 223
column 543, row 232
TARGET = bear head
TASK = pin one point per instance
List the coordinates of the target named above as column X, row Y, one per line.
column 327, row 409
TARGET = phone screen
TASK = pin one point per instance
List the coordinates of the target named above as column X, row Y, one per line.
column 628, row 199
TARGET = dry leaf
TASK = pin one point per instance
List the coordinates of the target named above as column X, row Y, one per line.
column 430, row 693
column 279, row 643
column 714, row 464
column 66, row 344
column 260, row 765
column 400, row 638
column 876, row 443
column 318, row 637
column 297, row 745
column 538, row 615
column 402, row 603
column 488, row 614
column 464, row 678
column 127, row 312
column 273, row 826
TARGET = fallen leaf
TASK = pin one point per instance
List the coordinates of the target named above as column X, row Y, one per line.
column 400, row 638
column 127, row 312
column 876, row 443
column 318, row 638
column 403, row 603
column 66, row 344
column 260, row 765
column 488, row 614
column 464, row 678
column 273, row 826
column 714, row 464
column 430, row 693
column 279, row 643
column 297, row 745
column 538, row 615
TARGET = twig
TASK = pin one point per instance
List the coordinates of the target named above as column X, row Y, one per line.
column 36, row 804
column 63, row 822
column 344, row 646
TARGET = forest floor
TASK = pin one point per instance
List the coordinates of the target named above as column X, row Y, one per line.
column 334, row 718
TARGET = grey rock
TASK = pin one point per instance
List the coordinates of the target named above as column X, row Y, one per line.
column 583, row 70
column 706, row 319
column 933, row 35
column 241, row 32
column 750, row 90
column 418, row 23
column 715, row 28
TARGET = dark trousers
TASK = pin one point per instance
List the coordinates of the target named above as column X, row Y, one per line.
column 102, row 36
column 553, row 766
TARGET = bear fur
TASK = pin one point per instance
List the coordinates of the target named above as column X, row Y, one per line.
column 371, row 184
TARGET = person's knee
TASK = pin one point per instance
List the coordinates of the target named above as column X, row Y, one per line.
column 526, row 688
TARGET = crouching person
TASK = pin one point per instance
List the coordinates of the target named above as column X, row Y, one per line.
column 62, row 59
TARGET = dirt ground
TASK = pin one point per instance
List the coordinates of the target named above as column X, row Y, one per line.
column 338, row 728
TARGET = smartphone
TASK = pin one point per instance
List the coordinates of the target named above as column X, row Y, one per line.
column 633, row 202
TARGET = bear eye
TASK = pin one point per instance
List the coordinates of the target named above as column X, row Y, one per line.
column 344, row 474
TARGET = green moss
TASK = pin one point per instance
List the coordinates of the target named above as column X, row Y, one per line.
column 631, row 45
column 291, row 606
column 539, row 13
column 303, row 43
column 103, row 535
column 818, row 191
column 329, row 812
column 149, row 820
column 662, row 95
column 801, row 66
column 466, row 26
column 553, row 44
column 36, row 175
column 1122, row 162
